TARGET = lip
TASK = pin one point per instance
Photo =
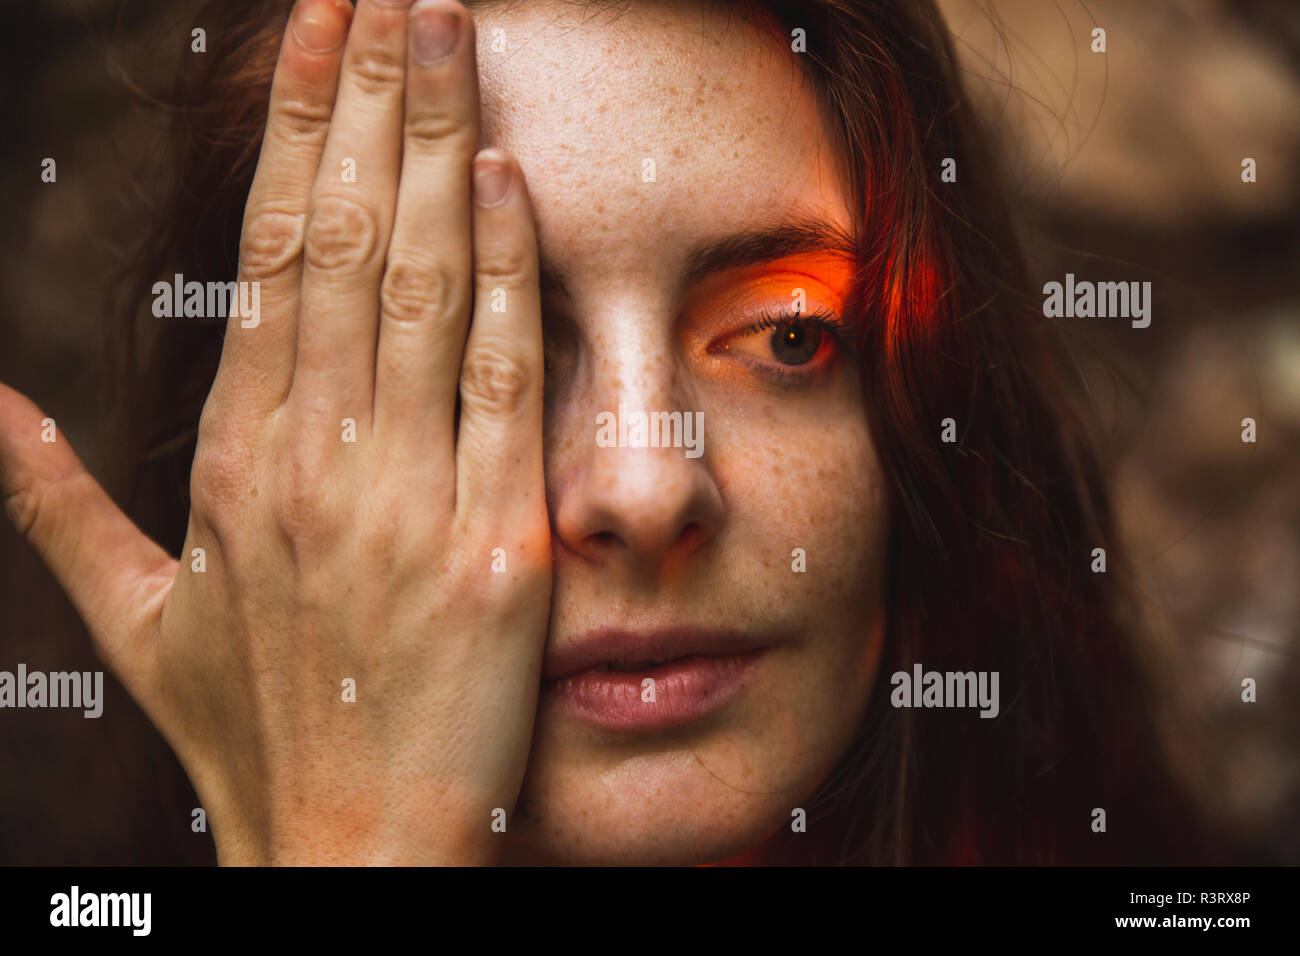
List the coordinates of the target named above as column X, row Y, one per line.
column 700, row 671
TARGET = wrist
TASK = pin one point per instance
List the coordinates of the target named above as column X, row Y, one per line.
column 344, row 840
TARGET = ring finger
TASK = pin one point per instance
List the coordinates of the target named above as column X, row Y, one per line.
column 428, row 284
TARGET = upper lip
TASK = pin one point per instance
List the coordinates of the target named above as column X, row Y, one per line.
column 618, row 646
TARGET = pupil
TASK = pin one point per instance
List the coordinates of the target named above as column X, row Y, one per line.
column 794, row 343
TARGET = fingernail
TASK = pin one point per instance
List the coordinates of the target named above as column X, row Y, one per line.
column 491, row 182
column 434, row 32
column 320, row 27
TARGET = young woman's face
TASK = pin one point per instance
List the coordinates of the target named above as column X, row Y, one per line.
column 753, row 549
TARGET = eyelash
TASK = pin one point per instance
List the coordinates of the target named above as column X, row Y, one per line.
column 823, row 319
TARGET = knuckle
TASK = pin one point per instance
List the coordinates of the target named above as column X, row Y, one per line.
column 493, row 380
column 301, row 122
column 270, row 243
column 505, row 261
column 221, row 479
column 24, row 506
column 412, row 293
column 341, row 234
column 378, row 72
column 303, row 507
column 433, row 127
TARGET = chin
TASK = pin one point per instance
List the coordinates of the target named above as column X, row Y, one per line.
column 664, row 809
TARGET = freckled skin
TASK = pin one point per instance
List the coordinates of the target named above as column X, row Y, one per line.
column 645, row 537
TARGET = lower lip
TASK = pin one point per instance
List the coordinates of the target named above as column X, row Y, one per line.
column 685, row 690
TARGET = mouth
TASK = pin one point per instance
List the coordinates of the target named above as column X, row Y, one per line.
column 644, row 681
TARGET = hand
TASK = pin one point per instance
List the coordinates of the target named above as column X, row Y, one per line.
column 328, row 560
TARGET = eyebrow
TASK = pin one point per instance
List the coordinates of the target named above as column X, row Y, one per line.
column 791, row 236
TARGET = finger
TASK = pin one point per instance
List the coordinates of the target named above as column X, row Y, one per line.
column 499, row 445
column 114, row 575
column 351, row 218
column 427, row 285
column 261, row 336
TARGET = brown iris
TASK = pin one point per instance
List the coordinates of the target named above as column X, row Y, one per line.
column 794, row 343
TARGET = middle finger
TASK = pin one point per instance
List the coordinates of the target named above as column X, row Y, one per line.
column 351, row 218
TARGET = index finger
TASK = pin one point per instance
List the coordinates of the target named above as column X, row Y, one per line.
column 258, row 356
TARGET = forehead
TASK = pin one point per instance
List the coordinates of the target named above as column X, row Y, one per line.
column 591, row 100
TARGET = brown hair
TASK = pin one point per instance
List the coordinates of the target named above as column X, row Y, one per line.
column 992, row 534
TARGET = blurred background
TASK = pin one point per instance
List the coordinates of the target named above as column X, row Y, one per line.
column 1126, row 166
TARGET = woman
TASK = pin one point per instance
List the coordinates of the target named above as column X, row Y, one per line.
column 630, row 401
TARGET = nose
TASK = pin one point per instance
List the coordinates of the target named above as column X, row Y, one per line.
column 624, row 503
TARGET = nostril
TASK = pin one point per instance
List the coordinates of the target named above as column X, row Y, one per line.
column 690, row 536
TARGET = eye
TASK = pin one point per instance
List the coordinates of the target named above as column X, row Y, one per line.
column 788, row 340
column 795, row 342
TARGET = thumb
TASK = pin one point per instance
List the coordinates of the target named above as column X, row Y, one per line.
column 115, row 576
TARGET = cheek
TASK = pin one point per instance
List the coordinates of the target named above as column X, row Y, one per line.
column 803, row 487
